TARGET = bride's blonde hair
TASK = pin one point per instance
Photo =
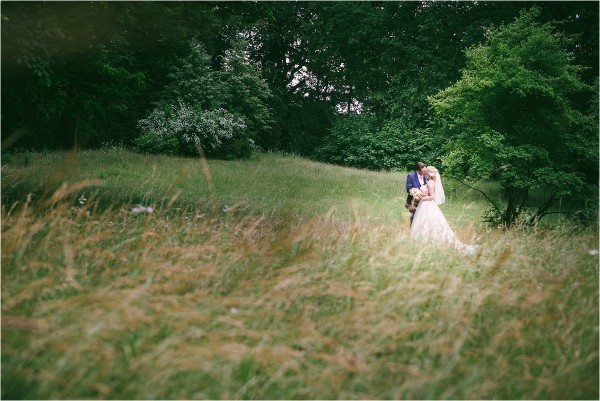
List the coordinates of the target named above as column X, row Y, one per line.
column 432, row 172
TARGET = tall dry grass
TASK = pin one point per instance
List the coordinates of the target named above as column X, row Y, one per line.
column 105, row 303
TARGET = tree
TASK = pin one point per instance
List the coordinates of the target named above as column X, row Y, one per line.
column 193, row 80
column 52, row 57
column 514, row 117
column 191, row 109
column 83, row 73
column 245, row 92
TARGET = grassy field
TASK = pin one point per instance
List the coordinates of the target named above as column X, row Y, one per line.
column 278, row 278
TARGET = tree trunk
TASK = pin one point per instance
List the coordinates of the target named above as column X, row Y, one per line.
column 516, row 198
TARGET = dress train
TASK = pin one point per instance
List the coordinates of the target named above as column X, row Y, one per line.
column 430, row 225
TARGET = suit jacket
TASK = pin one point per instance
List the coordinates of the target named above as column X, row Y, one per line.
column 412, row 181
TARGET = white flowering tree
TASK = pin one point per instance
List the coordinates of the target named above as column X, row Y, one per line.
column 192, row 110
column 208, row 129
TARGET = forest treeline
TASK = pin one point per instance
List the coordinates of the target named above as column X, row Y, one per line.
column 366, row 84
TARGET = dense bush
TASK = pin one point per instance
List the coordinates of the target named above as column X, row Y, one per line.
column 218, row 132
column 361, row 141
column 351, row 142
column 191, row 110
column 151, row 143
column 410, row 144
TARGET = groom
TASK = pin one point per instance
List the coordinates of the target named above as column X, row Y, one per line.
column 415, row 180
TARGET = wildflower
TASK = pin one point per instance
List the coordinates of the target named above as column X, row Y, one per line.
column 142, row 209
column 593, row 252
column 234, row 310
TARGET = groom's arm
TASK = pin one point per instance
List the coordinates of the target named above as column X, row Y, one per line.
column 409, row 182
column 409, row 185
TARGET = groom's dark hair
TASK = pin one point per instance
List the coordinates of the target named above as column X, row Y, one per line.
column 419, row 166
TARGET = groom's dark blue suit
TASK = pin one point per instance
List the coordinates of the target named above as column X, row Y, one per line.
column 412, row 181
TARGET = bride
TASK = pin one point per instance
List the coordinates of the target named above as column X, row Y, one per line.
column 429, row 223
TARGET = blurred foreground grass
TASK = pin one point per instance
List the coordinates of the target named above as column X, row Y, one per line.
column 306, row 286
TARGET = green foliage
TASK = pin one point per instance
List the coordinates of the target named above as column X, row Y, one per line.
column 353, row 141
column 411, row 144
column 83, row 73
column 305, row 126
column 245, row 92
column 190, row 110
column 511, row 117
column 80, row 74
column 151, row 143
column 66, row 83
column 193, row 80
column 362, row 141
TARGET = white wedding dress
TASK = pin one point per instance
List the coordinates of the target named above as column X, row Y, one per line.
column 430, row 225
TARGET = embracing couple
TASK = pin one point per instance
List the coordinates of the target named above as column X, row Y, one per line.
column 427, row 222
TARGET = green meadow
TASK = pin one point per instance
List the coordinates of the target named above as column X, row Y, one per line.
column 278, row 277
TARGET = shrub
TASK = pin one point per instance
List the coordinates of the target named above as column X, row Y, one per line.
column 151, row 143
column 360, row 141
column 219, row 132
column 196, row 109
